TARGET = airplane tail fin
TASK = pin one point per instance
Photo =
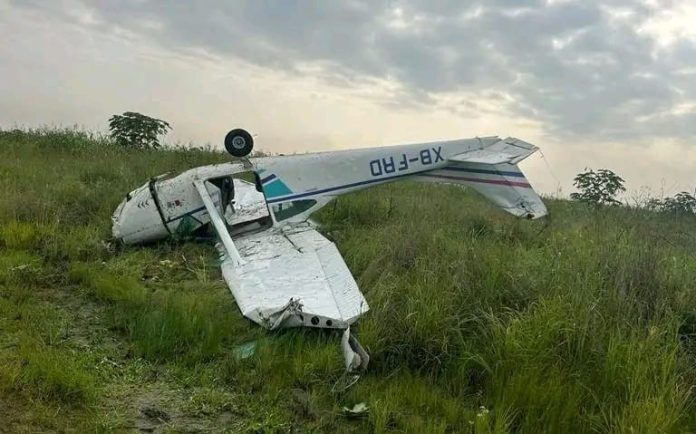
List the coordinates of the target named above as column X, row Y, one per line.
column 503, row 184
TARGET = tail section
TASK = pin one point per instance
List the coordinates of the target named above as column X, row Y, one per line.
column 503, row 184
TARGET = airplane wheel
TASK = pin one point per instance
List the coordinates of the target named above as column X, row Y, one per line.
column 239, row 142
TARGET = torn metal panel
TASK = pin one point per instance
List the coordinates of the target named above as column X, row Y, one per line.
column 354, row 355
column 358, row 410
column 248, row 204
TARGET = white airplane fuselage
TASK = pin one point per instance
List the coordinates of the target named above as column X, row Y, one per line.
column 295, row 186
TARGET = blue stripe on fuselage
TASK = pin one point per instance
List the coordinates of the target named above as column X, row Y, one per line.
column 342, row 187
column 268, row 178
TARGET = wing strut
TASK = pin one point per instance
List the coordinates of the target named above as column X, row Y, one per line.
column 218, row 223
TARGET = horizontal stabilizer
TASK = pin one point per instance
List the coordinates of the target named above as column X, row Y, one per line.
column 510, row 151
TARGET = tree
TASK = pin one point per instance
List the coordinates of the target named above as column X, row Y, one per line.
column 682, row 203
column 599, row 188
column 134, row 130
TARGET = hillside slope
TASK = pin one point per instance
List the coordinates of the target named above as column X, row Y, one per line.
column 582, row 322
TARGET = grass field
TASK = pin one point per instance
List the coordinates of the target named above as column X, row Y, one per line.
column 480, row 323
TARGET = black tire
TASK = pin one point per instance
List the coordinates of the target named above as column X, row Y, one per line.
column 239, row 142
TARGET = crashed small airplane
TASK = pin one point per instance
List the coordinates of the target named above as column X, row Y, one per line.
column 281, row 271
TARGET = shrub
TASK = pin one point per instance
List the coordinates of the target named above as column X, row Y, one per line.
column 599, row 188
column 681, row 204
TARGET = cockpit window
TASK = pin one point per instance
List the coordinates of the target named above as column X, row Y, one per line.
column 284, row 211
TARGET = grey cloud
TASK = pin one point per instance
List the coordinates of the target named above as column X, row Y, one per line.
column 569, row 65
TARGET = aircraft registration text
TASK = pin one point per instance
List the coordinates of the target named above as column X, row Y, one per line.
column 387, row 165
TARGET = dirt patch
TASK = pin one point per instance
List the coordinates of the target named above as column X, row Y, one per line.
column 150, row 418
column 159, row 409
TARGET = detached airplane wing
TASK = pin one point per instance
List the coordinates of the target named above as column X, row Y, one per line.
column 286, row 276
column 293, row 276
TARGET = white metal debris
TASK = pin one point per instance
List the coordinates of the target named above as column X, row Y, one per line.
column 358, row 410
column 248, row 204
column 354, row 355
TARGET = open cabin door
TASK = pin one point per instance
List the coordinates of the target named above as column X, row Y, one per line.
column 241, row 205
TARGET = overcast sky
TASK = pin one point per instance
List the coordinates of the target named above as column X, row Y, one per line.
column 593, row 83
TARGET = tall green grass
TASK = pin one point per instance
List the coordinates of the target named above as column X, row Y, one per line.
column 584, row 321
column 570, row 324
column 38, row 365
column 168, row 324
